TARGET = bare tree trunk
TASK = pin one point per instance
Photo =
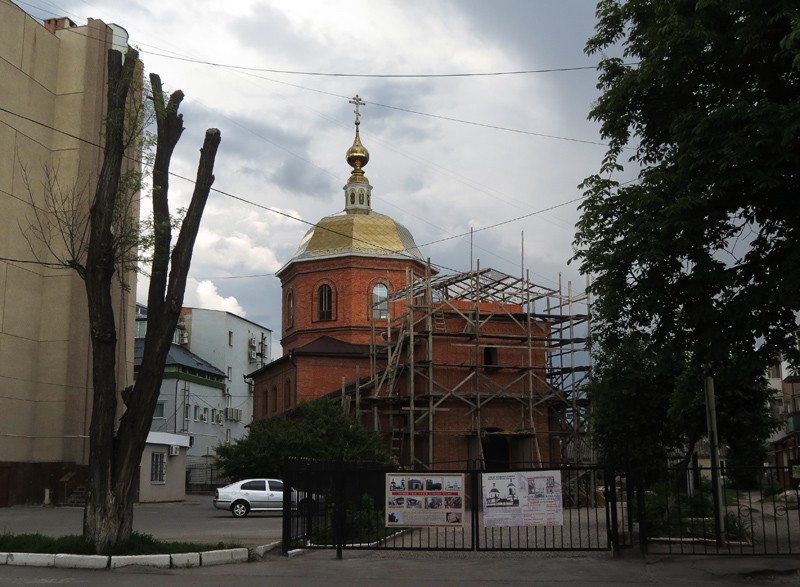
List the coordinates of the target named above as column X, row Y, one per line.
column 115, row 457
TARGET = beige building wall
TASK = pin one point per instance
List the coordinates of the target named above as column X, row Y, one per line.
column 51, row 81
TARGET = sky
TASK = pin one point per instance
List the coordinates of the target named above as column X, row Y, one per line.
column 501, row 155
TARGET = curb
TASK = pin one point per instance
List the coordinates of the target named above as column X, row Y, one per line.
column 181, row 560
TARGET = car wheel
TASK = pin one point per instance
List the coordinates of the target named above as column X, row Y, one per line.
column 240, row 509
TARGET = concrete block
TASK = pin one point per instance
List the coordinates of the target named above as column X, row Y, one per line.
column 260, row 551
column 80, row 561
column 160, row 561
column 31, row 559
column 185, row 560
column 224, row 557
column 3, row 558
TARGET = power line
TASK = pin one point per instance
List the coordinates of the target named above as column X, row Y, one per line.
column 274, row 211
column 368, row 75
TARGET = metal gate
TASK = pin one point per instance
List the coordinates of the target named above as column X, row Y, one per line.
column 344, row 506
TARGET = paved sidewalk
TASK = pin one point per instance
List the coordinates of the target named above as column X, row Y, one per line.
column 440, row 569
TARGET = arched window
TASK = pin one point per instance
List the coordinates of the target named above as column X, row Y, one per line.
column 289, row 310
column 273, row 400
column 325, row 302
column 380, row 302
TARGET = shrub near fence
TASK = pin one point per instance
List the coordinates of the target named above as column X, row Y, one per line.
column 679, row 515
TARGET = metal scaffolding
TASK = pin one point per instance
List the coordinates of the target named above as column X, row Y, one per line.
column 405, row 387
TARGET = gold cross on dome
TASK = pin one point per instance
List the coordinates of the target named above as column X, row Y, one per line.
column 358, row 102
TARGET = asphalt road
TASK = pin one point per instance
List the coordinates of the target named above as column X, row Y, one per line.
column 195, row 520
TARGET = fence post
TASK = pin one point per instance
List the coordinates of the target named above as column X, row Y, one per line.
column 340, row 509
column 641, row 510
column 611, row 508
column 476, row 500
column 286, row 527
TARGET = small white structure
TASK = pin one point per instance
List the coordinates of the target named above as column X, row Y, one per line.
column 162, row 472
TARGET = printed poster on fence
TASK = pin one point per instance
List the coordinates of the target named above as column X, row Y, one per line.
column 424, row 500
column 528, row 498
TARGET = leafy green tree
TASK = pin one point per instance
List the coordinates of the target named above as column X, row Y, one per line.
column 704, row 104
column 317, row 429
column 696, row 259
column 648, row 405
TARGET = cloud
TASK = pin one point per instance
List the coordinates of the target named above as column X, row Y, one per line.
column 204, row 294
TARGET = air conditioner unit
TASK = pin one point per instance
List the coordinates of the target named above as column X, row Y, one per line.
column 184, row 337
column 174, row 450
column 253, row 341
column 253, row 355
column 234, row 414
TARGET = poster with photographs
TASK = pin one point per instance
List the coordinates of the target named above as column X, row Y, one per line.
column 528, row 498
column 424, row 500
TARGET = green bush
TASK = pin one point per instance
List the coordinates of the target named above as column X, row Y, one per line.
column 138, row 544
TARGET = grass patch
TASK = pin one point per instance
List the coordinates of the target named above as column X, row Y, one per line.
column 137, row 545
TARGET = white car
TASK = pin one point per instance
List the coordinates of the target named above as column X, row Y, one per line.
column 260, row 495
column 250, row 495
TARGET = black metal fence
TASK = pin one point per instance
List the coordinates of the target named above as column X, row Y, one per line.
column 349, row 506
column 702, row 510
column 203, row 477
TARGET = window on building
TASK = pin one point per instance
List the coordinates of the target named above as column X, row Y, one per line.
column 158, row 467
column 289, row 310
column 213, row 415
column 141, row 328
column 230, row 373
column 325, row 302
column 187, row 412
column 273, row 400
column 228, row 435
column 774, row 372
column 490, row 357
column 196, row 413
column 205, row 414
column 230, row 338
column 159, row 411
column 287, row 394
column 380, row 302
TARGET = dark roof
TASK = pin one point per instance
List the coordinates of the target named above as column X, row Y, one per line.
column 327, row 345
column 324, row 346
column 180, row 356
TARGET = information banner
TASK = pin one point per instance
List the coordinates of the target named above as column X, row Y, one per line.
column 527, row 498
column 424, row 500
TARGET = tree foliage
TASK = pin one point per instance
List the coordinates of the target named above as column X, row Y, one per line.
column 703, row 248
column 648, row 406
column 694, row 262
column 317, row 429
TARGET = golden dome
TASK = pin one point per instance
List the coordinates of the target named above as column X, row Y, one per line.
column 357, row 155
column 368, row 235
column 357, row 230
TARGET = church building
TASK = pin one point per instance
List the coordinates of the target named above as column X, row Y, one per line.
column 449, row 369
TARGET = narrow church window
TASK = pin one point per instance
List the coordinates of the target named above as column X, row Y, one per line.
column 287, row 394
column 289, row 310
column 380, row 302
column 490, row 357
column 325, row 302
column 352, row 197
